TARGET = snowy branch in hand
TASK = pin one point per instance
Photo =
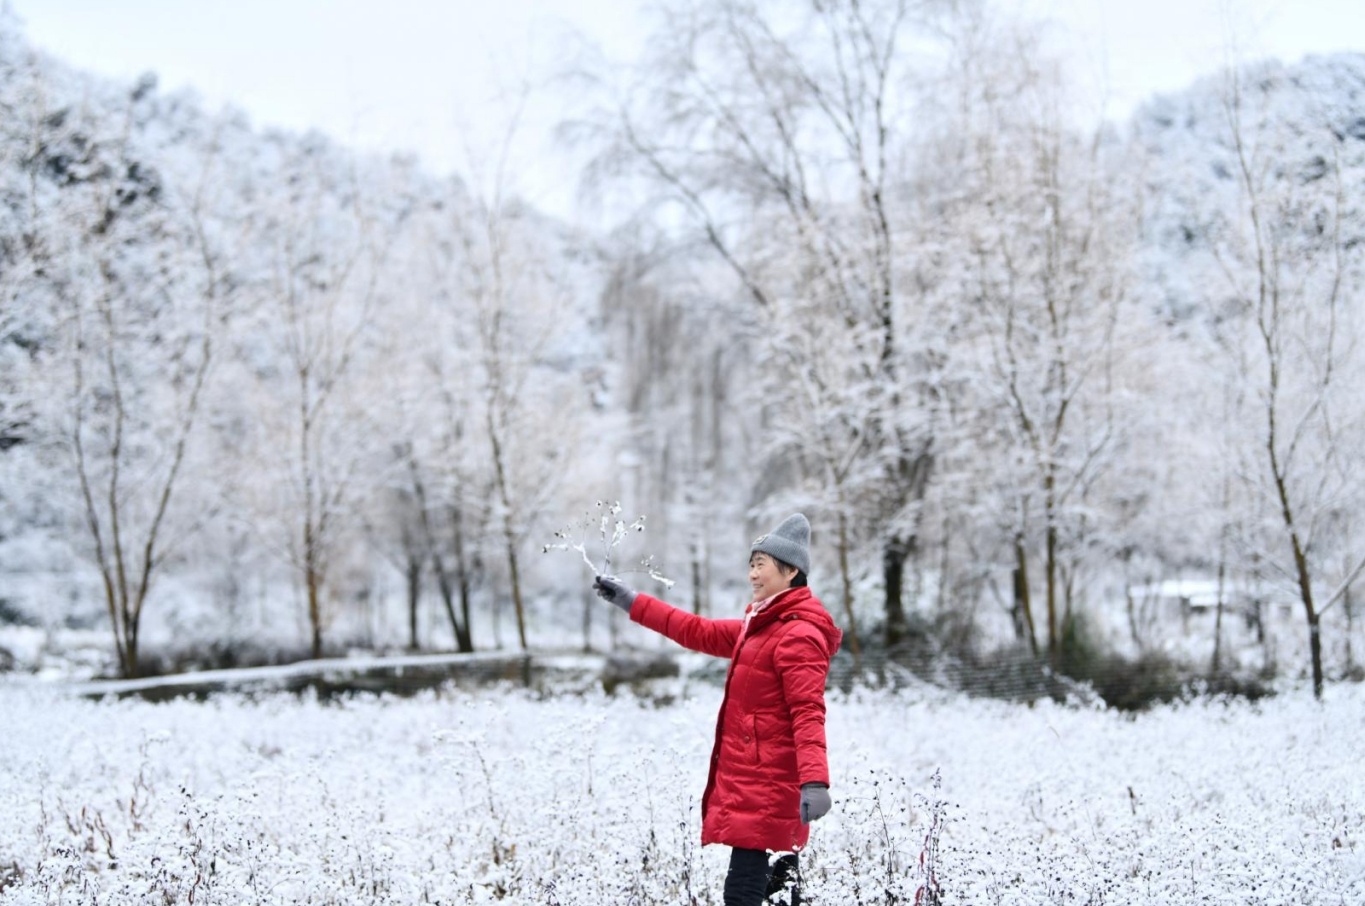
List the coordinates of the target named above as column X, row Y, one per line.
column 612, row 530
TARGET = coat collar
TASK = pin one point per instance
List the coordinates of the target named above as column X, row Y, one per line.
column 785, row 605
column 797, row 604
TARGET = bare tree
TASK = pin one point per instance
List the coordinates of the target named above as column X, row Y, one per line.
column 435, row 486
column 505, row 377
column 423, row 533
column 324, row 286
column 773, row 127
column 1277, row 237
column 454, row 495
column 515, row 305
column 438, row 536
column 808, row 359
column 397, row 534
column 147, row 300
column 1047, row 235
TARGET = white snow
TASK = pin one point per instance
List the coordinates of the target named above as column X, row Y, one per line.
column 459, row 797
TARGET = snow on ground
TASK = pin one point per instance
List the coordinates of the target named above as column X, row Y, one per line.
column 504, row 794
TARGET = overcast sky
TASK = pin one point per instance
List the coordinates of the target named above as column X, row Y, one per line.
column 437, row 76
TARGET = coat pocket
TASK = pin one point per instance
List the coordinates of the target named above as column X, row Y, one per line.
column 744, row 740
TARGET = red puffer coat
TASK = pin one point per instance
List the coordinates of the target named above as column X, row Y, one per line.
column 770, row 734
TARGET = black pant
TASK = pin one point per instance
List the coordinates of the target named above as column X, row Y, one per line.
column 751, row 880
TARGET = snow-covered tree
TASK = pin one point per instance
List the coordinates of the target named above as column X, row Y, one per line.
column 528, row 403
column 1041, row 227
column 143, row 298
column 772, row 129
column 314, row 433
column 438, row 485
column 1259, row 170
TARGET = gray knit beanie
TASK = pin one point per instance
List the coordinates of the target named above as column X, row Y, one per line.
column 789, row 542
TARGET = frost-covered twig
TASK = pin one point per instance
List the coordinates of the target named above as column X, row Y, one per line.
column 612, row 531
column 929, row 892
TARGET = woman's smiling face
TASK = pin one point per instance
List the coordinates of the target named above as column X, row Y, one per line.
column 767, row 577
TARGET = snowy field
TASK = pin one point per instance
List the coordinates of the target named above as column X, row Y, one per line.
column 474, row 797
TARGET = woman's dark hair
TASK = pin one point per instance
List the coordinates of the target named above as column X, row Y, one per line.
column 798, row 580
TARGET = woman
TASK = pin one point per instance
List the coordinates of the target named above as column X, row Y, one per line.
column 769, row 775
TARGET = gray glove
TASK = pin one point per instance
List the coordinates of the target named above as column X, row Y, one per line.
column 815, row 802
column 610, row 588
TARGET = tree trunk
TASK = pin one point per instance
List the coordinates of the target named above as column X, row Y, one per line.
column 588, row 608
column 696, row 580
column 116, row 623
column 312, row 580
column 1023, row 606
column 509, row 534
column 1315, row 650
column 129, row 657
column 1050, row 565
column 459, row 625
column 1217, row 664
column 847, row 581
column 311, row 572
column 464, row 638
column 460, row 629
column 414, row 583
column 1132, row 619
column 894, row 554
column 514, row 574
column 1348, row 607
column 1310, row 613
column 912, row 475
column 1050, row 573
column 1301, row 568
